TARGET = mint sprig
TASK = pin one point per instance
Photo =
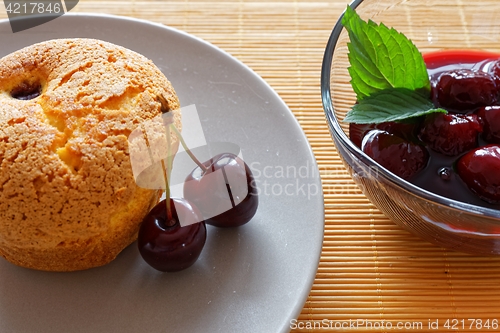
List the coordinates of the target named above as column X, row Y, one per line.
column 387, row 73
column 391, row 105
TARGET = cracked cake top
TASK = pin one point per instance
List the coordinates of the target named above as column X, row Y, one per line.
column 67, row 108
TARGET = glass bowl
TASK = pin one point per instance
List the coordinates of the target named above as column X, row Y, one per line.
column 432, row 25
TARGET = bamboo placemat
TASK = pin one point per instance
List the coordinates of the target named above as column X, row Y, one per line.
column 370, row 269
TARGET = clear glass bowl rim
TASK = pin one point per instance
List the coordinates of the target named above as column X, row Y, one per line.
column 340, row 137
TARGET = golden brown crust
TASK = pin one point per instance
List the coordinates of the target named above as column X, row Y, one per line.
column 68, row 198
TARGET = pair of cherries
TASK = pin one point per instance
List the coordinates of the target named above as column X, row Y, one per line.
column 220, row 192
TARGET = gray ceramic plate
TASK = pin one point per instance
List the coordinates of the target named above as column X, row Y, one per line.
column 255, row 278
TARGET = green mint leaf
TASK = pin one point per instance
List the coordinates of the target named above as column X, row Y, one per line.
column 393, row 104
column 382, row 58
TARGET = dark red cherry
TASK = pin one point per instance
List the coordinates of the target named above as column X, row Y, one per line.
column 358, row 131
column 394, row 153
column 225, row 193
column 465, row 89
column 490, row 118
column 494, row 69
column 479, row 171
column 450, row 134
column 406, row 130
column 172, row 245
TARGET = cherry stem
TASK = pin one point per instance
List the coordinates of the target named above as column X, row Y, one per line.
column 167, row 192
column 164, row 108
column 166, row 175
column 186, row 148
